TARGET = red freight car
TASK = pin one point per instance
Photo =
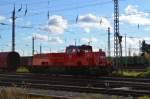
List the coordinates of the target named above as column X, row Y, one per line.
column 74, row 58
column 26, row 61
column 9, row 60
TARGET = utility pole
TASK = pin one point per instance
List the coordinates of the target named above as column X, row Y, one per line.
column 33, row 46
column 75, row 41
column 125, row 50
column 50, row 50
column 40, row 49
column 109, row 52
column 13, row 29
column 125, row 45
column 139, row 47
column 129, row 52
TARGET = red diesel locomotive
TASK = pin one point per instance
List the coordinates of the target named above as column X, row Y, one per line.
column 76, row 59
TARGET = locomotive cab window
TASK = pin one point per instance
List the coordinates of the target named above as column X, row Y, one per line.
column 78, row 49
column 44, row 63
column 71, row 49
column 86, row 48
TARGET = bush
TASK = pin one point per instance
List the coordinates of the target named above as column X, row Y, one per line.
column 146, row 73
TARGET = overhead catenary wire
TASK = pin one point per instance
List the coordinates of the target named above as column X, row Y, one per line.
column 67, row 9
column 26, row 10
column 64, row 9
column 71, row 8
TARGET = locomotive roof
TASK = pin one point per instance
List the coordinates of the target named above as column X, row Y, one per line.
column 9, row 56
column 3, row 54
column 81, row 46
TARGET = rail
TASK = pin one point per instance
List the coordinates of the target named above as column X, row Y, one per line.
column 103, row 85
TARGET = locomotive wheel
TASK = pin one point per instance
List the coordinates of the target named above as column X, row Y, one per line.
column 38, row 70
column 100, row 71
column 77, row 71
column 56, row 70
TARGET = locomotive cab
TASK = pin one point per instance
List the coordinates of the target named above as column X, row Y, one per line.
column 72, row 49
column 78, row 49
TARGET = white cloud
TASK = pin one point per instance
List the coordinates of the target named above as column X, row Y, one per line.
column 95, row 49
column 56, row 25
column 132, row 43
column 2, row 18
column 89, row 18
column 55, row 40
column 40, row 37
column 46, row 51
column 89, row 21
column 45, row 38
column 147, row 29
column 134, row 16
column 10, row 20
column 91, row 39
column 37, row 37
column 28, row 24
column 132, row 9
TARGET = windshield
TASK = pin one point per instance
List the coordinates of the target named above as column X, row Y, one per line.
column 75, row 49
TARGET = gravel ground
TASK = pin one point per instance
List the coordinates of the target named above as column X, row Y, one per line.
column 61, row 94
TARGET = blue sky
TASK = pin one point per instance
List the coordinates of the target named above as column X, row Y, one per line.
column 61, row 29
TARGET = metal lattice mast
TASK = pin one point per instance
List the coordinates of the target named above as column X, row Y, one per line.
column 116, row 32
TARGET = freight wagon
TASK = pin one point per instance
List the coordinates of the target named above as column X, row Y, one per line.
column 9, row 61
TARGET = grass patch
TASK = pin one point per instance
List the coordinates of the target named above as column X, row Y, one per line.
column 146, row 74
column 22, row 69
column 144, row 97
column 98, row 96
column 126, row 73
column 12, row 93
column 101, row 96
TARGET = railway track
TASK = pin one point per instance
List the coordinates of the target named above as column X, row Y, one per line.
column 104, row 85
